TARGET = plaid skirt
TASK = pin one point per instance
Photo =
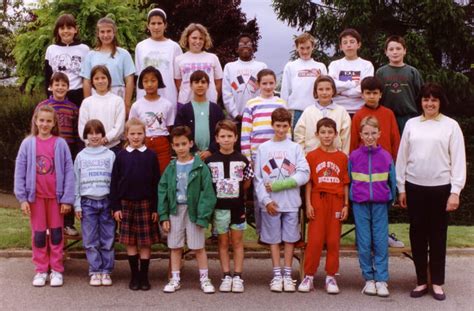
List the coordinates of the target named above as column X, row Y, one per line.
column 137, row 227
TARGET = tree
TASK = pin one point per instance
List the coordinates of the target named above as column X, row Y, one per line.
column 223, row 19
column 438, row 35
column 33, row 39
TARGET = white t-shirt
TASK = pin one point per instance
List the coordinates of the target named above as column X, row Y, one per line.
column 297, row 83
column 67, row 59
column 157, row 115
column 187, row 63
column 161, row 55
column 347, row 75
column 240, row 85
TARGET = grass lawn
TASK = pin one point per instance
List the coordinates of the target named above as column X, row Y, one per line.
column 15, row 233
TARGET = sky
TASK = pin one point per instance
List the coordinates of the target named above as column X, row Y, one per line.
column 276, row 44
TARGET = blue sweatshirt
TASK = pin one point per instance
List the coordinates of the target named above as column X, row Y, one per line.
column 93, row 172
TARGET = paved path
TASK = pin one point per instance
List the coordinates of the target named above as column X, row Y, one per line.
column 16, row 292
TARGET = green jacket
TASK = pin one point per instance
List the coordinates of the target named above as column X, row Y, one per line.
column 201, row 196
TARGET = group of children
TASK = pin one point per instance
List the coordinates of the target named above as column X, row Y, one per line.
column 146, row 190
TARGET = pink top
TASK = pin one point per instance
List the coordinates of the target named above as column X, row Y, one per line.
column 45, row 174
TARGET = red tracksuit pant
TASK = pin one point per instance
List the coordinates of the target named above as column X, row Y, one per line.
column 324, row 229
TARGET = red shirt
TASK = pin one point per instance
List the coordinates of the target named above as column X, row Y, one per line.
column 328, row 171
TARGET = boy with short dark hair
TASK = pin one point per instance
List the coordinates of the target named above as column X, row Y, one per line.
column 299, row 76
column 280, row 170
column 389, row 137
column 68, row 115
column 240, row 78
column 186, row 202
column 401, row 82
column 349, row 71
column 231, row 175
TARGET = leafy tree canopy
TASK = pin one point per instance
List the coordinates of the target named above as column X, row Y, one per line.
column 438, row 35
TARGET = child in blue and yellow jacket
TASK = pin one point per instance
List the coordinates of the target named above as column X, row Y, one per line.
column 372, row 191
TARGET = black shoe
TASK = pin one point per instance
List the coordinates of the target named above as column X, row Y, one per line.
column 419, row 293
column 134, row 283
column 439, row 297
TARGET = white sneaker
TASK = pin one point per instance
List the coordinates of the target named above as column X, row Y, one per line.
column 276, row 284
column 70, row 230
column 55, row 279
column 172, row 286
column 289, row 285
column 207, row 286
column 382, row 289
column 306, row 285
column 95, row 280
column 226, row 285
column 39, row 279
column 106, row 280
column 237, row 285
column 369, row 288
column 394, row 242
column 331, row 286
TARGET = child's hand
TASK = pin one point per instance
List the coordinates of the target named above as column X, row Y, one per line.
column 154, row 217
column 272, row 208
column 344, row 213
column 268, row 186
column 453, row 202
column 65, row 208
column 204, row 154
column 402, row 198
column 310, row 212
column 118, row 216
column 165, row 225
column 25, row 208
column 105, row 141
column 79, row 215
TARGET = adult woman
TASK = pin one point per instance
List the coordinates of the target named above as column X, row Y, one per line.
column 431, row 172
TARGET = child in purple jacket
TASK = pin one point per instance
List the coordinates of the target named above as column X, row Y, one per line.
column 44, row 185
column 372, row 191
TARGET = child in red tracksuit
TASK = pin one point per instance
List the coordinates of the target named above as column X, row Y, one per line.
column 327, row 200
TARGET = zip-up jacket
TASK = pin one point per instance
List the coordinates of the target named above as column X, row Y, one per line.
column 200, row 193
column 372, row 174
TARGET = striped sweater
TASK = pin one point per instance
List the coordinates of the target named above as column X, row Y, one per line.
column 257, row 123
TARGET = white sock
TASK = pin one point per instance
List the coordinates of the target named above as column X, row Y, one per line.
column 175, row 275
column 203, row 273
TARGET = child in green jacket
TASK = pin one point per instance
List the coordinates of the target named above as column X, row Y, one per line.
column 186, row 201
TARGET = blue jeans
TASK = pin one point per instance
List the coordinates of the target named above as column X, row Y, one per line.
column 98, row 235
column 371, row 220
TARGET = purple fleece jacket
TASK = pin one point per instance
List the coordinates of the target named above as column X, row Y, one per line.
column 25, row 171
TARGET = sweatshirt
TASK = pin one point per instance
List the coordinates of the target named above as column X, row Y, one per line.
column 239, row 85
column 93, row 172
column 110, row 110
column 432, row 153
column 297, row 83
column 276, row 161
column 347, row 75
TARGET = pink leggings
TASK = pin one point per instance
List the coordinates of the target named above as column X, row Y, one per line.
column 47, row 248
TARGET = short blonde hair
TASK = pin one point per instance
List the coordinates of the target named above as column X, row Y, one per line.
column 369, row 120
column 304, row 37
column 134, row 122
column 183, row 41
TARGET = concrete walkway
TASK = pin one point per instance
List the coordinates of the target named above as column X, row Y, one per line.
column 17, row 293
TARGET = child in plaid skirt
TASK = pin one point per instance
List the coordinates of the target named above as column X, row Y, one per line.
column 133, row 193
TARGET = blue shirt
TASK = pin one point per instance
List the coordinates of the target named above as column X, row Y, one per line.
column 182, row 174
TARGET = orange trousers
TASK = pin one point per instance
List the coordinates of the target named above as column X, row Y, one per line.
column 324, row 229
column 161, row 146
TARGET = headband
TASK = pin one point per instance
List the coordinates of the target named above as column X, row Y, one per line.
column 157, row 10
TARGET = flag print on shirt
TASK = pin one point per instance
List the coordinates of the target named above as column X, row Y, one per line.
column 279, row 171
column 349, row 75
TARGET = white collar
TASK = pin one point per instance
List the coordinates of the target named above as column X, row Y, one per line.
column 141, row 149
